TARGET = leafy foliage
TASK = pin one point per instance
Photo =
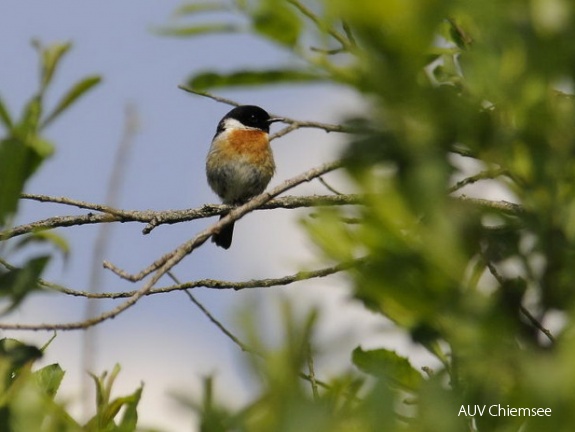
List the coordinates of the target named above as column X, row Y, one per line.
column 387, row 364
column 23, row 149
column 211, row 80
column 448, row 81
column 27, row 397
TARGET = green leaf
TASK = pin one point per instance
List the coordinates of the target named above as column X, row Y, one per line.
column 277, row 22
column 5, row 115
column 388, row 364
column 459, row 35
column 17, row 163
column 46, row 237
column 194, row 8
column 16, row 284
column 108, row 409
column 207, row 80
column 196, row 30
column 28, row 125
column 49, row 59
column 73, row 94
column 49, row 379
column 42, row 148
column 130, row 416
column 17, row 352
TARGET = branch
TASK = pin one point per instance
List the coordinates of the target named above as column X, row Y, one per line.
column 212, row 318
column 293, row 123
column 489, row 174
column 234, row 214
column 155, row 218
column 208, row 283
column 321, row 26
column 502, row 206
column 167, row 217
column 245, row 348
column 300, row 124
column 534, row 321
column 171, row 259
column 86, row 323
column 106, row 315
column 209, row 95
column 329, row 187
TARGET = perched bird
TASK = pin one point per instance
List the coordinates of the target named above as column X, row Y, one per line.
column 240, row 162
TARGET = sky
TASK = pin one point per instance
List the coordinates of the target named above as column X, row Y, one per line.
column 164, row 341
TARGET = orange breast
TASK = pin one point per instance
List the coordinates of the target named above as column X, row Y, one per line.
column 249, row 145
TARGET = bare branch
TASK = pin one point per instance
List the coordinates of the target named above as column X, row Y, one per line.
column 208, row 283
column 329, row 187
column 212, row 318
column 524, row 311
column 483, row 175
column 293, row 123
column 167, row 217
column 71, row 202
column 77, row 325
column 155, row 218
column 502, row 206
column 333, row 51
column 234, row 214
column 321, row 26
column 169, row 260
column 209, row 95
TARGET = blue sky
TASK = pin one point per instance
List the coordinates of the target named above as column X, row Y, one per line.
column 164, row 341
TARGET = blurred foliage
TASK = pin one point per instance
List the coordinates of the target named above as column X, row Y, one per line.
column 27, row 397
column 446, row 82
column 23, row 149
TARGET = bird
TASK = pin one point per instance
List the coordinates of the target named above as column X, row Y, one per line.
column 240, row 162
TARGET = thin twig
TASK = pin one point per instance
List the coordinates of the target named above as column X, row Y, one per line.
column 483, row 175
column 333, row 51
column 77, row 325
column 213, row 319
column 502, row 206
column 301, row 124
column 245, row 348
column 534, row 321
column 209, row 95
column 348, row 32
column 72, row 202
column 293, row 123
column 329, row 187
column 206, row 283
column 321, row 26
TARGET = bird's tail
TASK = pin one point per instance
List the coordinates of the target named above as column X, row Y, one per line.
column 224, row 237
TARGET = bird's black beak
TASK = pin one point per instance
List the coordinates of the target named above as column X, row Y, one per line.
column 276, row 119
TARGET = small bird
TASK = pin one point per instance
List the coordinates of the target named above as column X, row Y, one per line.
column 240, row 163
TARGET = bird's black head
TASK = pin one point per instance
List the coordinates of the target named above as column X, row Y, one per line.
column 249, row 116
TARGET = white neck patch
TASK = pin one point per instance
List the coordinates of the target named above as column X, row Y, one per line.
column 232, row 123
